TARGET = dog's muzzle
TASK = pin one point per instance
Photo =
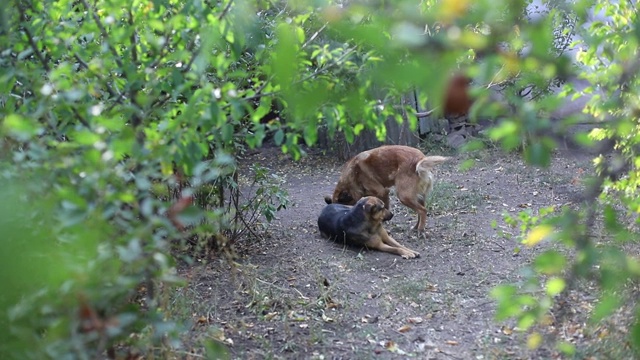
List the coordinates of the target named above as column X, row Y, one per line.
column 388, row 215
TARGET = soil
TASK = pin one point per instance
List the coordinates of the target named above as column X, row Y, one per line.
column 294, row 295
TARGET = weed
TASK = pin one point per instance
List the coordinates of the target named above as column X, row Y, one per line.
column 411, row 290
column 436, row 144
column 448, row 198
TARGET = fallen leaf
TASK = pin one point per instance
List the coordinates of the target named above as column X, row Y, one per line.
column 270, row 315
column 547, row 320
column 538, row 233
column 506, row 330
column 451, row 342
column 393, row 347
column 432, row 287
column 603, row 334
column 325, row 318
column 404, row 328
column 296, row 317
column 415, row 320
column 219, row 335
column 368, row 319
column 202, row 320
column 333, row 305
column 534, row 340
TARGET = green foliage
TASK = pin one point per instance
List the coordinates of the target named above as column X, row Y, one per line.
column 128, row 116
column 609, row 62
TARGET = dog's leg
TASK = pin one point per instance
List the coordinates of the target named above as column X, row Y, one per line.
column 385, row 198
column 377, row 243
column 410, row 200
column 393, row 243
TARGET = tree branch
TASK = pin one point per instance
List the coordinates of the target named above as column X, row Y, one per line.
column 32, row 42
column 134, row 51
column 163, row 50
column 104, row 33
column 226, row 10
column 324, row 69
column 110, row 90
column 82, row 120
column 313, row 37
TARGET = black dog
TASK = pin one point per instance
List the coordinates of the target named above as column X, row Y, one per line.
column 361, row 225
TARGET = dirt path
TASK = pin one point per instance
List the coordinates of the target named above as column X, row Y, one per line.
column 296, row 295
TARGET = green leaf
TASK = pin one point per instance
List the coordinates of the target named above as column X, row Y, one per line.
column 473, row 145
column 526, row 320
column 278, row 137
column 505, row 129
column 555, row 286
column 19, row 127
column 550, row 262
column 537, row 154
column 566, row 348
column 467, row 164
column 610, row 219
column 86, row 137
column 635, row 333
column 300, row 34
column 284, row 60
column 227, row 132
column 507, row 307
column 214, row 350
column 310, row 133
column 605, row 307
column 262, row 110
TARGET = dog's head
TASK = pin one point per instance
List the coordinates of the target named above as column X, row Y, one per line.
column 374, row 209
column 340, row 197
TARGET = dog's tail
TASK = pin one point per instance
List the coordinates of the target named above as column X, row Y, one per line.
column 425, row 165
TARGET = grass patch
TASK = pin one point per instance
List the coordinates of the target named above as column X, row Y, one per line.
column 437, row 145
column 449, row 198
column 420, row 292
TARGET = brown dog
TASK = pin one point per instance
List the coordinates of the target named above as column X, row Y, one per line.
column 373, row 172
column 361, row 225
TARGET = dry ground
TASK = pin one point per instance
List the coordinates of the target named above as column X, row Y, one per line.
column 295, row 295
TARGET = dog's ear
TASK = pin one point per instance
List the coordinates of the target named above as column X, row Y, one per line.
column 368, row 207
column 327, row 199
column 345, row 198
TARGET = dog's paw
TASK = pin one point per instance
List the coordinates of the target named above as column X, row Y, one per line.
column 410, row 255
